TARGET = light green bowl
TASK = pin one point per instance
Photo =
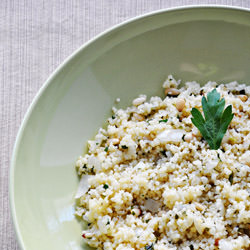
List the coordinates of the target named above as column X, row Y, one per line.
column 198, row 43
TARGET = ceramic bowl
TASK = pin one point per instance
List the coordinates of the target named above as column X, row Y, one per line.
column 192, row 43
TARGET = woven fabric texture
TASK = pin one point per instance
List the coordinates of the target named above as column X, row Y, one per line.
column 35, row 37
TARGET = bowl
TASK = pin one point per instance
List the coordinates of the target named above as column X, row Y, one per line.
column 192, row 43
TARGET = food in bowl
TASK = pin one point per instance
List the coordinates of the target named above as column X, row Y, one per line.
column 170, row 173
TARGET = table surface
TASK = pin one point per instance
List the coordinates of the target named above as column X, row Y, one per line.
column 36, row 36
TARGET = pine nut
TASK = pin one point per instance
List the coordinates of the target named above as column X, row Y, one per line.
column 172, row 92
column 180, row 104
column 243, row 97
column 188, row 137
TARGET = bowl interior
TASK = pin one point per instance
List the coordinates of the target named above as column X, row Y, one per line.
column 192, row 44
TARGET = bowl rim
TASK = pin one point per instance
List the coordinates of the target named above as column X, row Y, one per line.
column 58, row 69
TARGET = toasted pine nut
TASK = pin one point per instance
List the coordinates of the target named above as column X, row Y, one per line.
column 196, row 132
column 172, row 92
column 188, row 137
column 136, row 211
column 180, row 104
column 114, row 141
column 138, row 117
column 243, row 97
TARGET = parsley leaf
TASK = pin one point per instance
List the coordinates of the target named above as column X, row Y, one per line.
column 149, row 247
column 165, row 120
column 231, row 178
column 217, row 120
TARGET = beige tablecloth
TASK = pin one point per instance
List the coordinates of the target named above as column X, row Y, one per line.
column 35, row 37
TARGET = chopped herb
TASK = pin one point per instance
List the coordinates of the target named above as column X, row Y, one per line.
column 242, row 92
column 147, row 221
column 84, row 166
column 96, row 143
column 176, row 216
column 179, row 118
column 92, row 170
column 163, row 152
column 106, row 149
column 105, row 186
column 191, row 247
column 218, row 155
column 89, row 224
column 231, row 177
column 124, row 147
column 183, row 137
column 108, row 222
column 217, row 120
column 165, row 120
column 113, row 116
column 149, row 247
column 133, row 213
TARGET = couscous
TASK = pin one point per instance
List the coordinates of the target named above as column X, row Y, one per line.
column 151, row 181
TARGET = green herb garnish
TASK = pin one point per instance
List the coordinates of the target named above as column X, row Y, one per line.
column 106, row 149
column 124, row 147
column 105, row 186
column 165, row 120
column 183, row 137
column 163, row 152
column 149, row 247
column 218, row 155
column 217, row 120
column 231, row 178
column 149, row 120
